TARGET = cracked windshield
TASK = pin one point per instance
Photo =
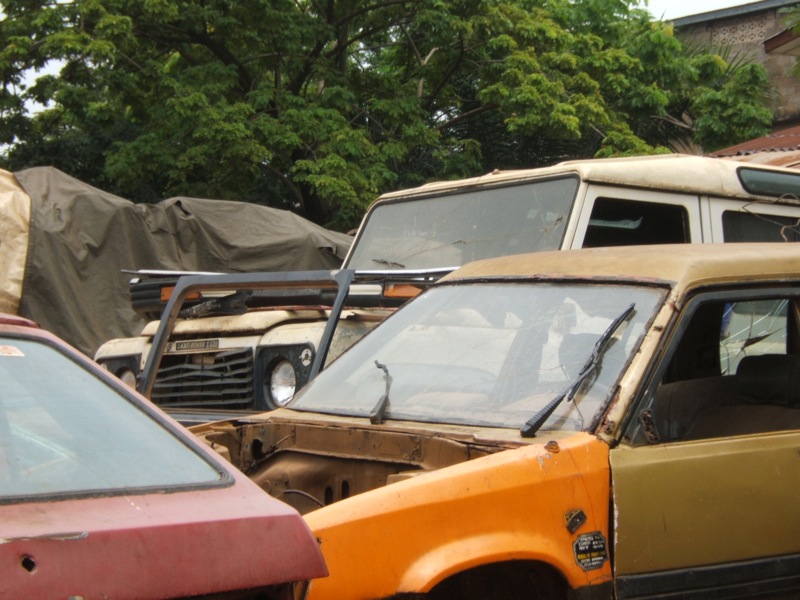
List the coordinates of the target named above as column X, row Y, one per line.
column 452, row 230
column 491, row 355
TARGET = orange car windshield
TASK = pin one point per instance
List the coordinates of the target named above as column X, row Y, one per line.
column 488, row 354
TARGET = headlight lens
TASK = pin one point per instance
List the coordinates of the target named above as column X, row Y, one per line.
column 126, row 368
column 282, row 382
column 128, row 377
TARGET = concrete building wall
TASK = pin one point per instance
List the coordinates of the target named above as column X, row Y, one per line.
column 745, row 29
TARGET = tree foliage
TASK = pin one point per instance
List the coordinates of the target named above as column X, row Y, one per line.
column 791, row 19
column 320, row 105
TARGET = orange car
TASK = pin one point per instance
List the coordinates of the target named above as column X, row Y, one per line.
column 600, row 423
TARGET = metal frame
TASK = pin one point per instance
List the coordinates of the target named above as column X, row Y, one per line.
column 324, row 281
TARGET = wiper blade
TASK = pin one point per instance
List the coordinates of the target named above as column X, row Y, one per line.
column 533, row 424
column 377, row 413
column 389, row 263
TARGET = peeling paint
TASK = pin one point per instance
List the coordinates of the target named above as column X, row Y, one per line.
column 58, row 537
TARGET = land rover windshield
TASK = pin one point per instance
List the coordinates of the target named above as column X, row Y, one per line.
column 491, row 355
column 450, row 230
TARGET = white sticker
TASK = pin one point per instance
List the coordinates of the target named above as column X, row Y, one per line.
column 10, row 351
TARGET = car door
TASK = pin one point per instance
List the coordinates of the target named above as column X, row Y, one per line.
column 706, row 486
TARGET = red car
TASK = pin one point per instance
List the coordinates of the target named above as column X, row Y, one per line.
column 104, row 496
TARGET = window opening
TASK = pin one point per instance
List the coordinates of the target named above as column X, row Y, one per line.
column 616, row 222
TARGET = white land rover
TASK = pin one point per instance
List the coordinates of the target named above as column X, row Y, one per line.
column 247, row 343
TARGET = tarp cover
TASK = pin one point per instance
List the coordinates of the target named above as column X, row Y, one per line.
column 81, row 239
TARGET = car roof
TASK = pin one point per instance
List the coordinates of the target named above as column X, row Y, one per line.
column 709, row 176
column 681, row 266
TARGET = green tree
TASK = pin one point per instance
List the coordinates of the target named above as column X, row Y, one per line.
column 791, row 19
column 319, row 106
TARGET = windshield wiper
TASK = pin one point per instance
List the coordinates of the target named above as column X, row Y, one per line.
column 536, row 421
column 377, row 413
column 388, row 263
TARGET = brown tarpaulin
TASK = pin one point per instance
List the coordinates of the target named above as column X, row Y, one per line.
column 81, row 239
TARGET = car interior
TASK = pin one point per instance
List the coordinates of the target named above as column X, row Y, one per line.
column 735, row 371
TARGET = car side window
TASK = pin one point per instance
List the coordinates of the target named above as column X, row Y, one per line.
column 617, row 222
column 749, row 328
column 735, row 370
column 738, row 226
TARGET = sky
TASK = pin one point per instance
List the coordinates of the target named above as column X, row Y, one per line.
column 673, row 9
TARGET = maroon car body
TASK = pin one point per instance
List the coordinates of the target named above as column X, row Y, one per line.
column 104, row 496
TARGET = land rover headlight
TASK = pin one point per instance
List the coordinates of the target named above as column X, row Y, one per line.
column 280, row 372
column 126, row 368
column 282, row 380
column 128, row 377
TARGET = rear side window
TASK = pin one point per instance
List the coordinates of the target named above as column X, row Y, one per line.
column 617, row 222
column 770, row 183
column 753, row 227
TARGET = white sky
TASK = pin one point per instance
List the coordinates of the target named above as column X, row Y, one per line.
column 673, row 9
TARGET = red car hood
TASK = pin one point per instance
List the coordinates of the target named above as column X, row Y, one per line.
column 154, row 545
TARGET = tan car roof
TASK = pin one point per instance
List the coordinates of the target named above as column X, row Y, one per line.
column 682, row 266
column 709, row 176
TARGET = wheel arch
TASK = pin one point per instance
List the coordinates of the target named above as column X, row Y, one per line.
column 506, row 580
column 468, row 555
